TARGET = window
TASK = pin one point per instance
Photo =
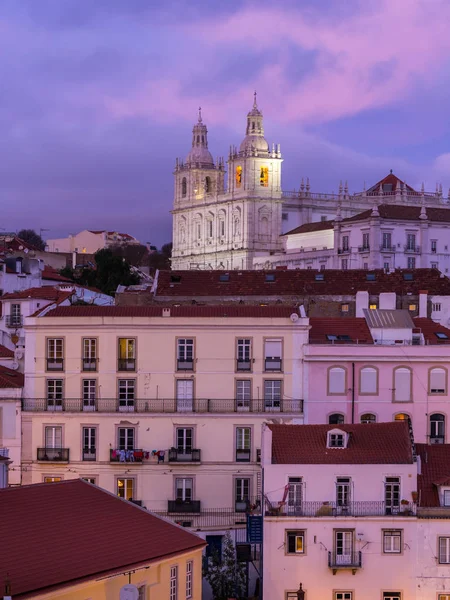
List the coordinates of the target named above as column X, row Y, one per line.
column 343, row 595
column 336, row 419
column 243, row 444
column 208, row 185
column 373, row 306
column 243, row 394
column 89, row 443
column 295, row 542
column 55, row 357
column 344, row 264
column 52, row 479
column 295, row 495
column 53, row 437
column 402, row 417
column 345, row 243
column 173, row 583
column 272, row 355
column 127, row 389
column 209, row 228
column 436, row 307
column 127, row 356
column 368, row 418
column 142, row 592
column 386, row 267
column 54, row 394
column 343, row 491
column 185, row 437
column 185, row 354
column 365, row 241
column 444, row 597
column 433, row 246
column 337, row 380
column 238, row 176
column 184, row 489
column 392, row 596
column 437, row 429
column 336, row 440
column 411, row 262
column 189, row 575
column 183, row 187
column 438, row 381
column 89, row 394
column 392, row 541
column 264, row 177
column 269, row 278
column 343, row 547
column 444, row 550
column 319, row 277
column 92, row 480
column 222, row 228
column 410, row 241
column 371, row 277
column 125, row 488
column 387, row 241
column 89, row 362
column 15, row 317
column 402, row 384
column 244, row 354
column 368, row 380
column 392, row 495
column 241, row 493
column 408, row 277
column 125, row 438
column 441, row 336
column 434, row 265
column 224, row 277
column 272, row 394
column 344, row 308
column 412, row 307
column 185, row 395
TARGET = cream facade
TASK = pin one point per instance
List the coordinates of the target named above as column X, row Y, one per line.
column 89, row 242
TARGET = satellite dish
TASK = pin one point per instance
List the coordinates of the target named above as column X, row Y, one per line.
column 14, row 365
column 294, row 317
column 18, row 353
column 20, row 247
column 129, row 592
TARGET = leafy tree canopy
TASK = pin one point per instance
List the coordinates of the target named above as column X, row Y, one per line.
column 225, row 575
column 30, row 236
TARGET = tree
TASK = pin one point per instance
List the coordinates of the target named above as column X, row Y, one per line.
column 134, row 254
column 161, row 258
column 33, row 238
column 225, row 575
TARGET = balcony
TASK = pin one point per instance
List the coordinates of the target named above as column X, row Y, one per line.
column 387, row 248
column 89, row 364
column 126, row 364
column 164, row 405
column 135, row 455
column 343, row 250
column 273, row 363
column 184, row 455
column 58, row 455
column 243, row 455
column 55, row 364
column 410, row 249
column 241, row 506
column 225, row 518
column 319, row 508
column 185, row 364
column 89, row 454
column 14, row 321
column 352, row 561
column 364, row 248
column 243, row 364
column 183, row 506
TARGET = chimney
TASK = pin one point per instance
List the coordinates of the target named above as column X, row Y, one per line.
column 423, row 302
column 74, row 260
column 388, row 300
column 166, row 312
column 362, row 302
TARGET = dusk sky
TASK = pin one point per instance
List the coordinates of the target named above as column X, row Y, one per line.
column 98, row 98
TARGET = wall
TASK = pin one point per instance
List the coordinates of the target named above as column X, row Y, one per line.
column 85, row 242
column 10, row 430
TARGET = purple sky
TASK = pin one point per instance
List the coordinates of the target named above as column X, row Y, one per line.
column 99, row 97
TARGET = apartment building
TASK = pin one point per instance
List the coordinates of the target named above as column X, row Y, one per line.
column 161, row 405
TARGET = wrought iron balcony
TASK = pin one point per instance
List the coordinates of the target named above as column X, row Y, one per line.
column 364, row 248
column 183, row 506
column 241, row 505
column 212, row 517
column 14, row 321
column 387, row 248
column 184, row 455
column 243, row 364
column 273, row 363
column 185, row 364
column 134, row 455
column 344, row 250
column 319, row 508
column 243, row 455
column 53, row 454
column 89, row 454
column 409, row 249
column 164, row 405
column 89, row 364
column 55, row 364
column 126, row 364
column 352, row 560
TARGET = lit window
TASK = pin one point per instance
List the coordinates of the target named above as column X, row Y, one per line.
column 52, row 479
column 373, row 306
column 412, row 307
column 264, row 177
column 238, row 176
column 295, row 542
column 392, row 541
column 344, row 308
column 368, row 418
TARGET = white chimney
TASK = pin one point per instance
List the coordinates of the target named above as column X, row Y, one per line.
column 362, row 302
column 423, row 301
column 166, row 312
column 388, row 300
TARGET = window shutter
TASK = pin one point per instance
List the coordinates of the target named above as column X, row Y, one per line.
column 272, row 349
column 336, row 382
column 437, row 380
column 291, row 543
column 368, row 381
column 402, row 385
column 444, row 547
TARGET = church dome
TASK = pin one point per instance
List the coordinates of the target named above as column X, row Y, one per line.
column 258, row 142
column 200, row 154
column 254, row 138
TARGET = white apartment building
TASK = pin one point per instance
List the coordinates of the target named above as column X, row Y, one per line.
column 89, row 241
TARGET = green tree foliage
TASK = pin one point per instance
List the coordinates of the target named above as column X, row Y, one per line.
column 160, row 259
column 33, row 238
column 225, row 575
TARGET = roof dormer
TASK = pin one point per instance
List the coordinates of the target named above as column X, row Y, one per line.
column 337, row 438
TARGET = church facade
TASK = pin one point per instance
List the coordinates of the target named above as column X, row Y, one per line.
column 235, row 218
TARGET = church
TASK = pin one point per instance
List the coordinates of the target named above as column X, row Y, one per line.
column 240, row 218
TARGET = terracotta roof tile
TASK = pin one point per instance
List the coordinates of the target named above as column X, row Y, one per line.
column 6, row 352
column 10, row 378
column 435, row 468
column 46, row 292
column 390, row 178
column 354, row 327
column 53, row 275
column 429, row 329
column 48, row 525
column 311, row 227
column 403, row 213
column 376, row 443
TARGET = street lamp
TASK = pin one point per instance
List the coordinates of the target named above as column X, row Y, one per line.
column 300, row 593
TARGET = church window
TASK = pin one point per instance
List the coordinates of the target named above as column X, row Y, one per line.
column 222, row 228
column 183, row 187
column 198, row 139
column 203, row 139
column 264, row 177
column 210, row 228
column 199, row 231
column 253, row 125
column 237, row 226
column 264, row 226
column 238, row 176
column 208, row 185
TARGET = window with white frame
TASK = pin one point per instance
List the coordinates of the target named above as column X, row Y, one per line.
column 241, row 493
column 368, row 380
column 343, row 595
column 125, row 488
column 392, row 596
column 243, row 352
column 126, row 354
column 368, row 418
column 53, row 436
column 295, row 541
column 392, row 541
column 295, row 494
column 125, row 438
column 402, row 384
column 273, row 350
column 392, row 495
column 387, row 240
column 185, row 354
column 243, row 394
column 89, row 450
column 336, row 380
column 336, row 440
column 438, row 381
column 243, row 444
column 89, row 362
column 436, row 307
column 89, row 394
column 127, row 388
column 55, row 354
column 446, row 497
column 437, row 428
column 444, row 550
column 54, row 394
column 411, row 262
column 184, row 489
column 336, row 419
column 189, row 575
column 272, row 394
column 343, row 491
column 173, row 583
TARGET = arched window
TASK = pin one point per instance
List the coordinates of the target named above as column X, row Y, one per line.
column 368, row 418
column 402, row 384
column 264, row 226
column 183, row 187
column 337, row 380
column 253, row 125
column 438, row 380
column 207, row 184
column 368, row 380
column 402, row 417
column 198, row 139
column 222, row 227
column 203, row 139
column 437, row 429
column 238, row 176
column 237, row 226
column 264, row 177
column 336, row 419
column 209, row 228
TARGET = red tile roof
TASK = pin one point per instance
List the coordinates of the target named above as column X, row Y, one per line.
column 403, row 213
column 62, row 533
column 6, row 352
column 39, row 293
column 393, row 180
column 429, row 329
column 294, row 283
column 376, row 443
column 12, row 243
column 217, row 311
column 354, row 327
column 53, row 275
column 311, row 227
column 435, row 470
column 10, row 378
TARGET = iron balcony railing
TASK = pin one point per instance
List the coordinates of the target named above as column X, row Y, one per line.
column 243, row 455
column 89, row 364
column 409, row 249
column 360, row 508
column 183, row 506
column 53, row 454
column 273, row 363
column 364, row 248
column 185, row 364
column 243, row 364
column 14, row 321
column 126, row 364
column 209, row 517
column 180, row 455
column 352, row 560
column 344, row 250
column 163, row 405
column 55, row 364
column 134, row 455
column 387, row 248
column 89, row 454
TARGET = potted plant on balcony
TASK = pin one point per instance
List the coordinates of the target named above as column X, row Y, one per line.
column 415, row 496
column 405, row 506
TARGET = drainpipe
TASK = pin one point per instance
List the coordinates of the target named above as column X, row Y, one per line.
column 353, row 393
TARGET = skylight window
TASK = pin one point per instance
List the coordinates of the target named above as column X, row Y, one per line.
column 224, row 277
column 320, row 277
column 175, row 279
column 408, row 276
column 371, row 277
column 270, row 277
column 332, row 337
column 441, row 335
